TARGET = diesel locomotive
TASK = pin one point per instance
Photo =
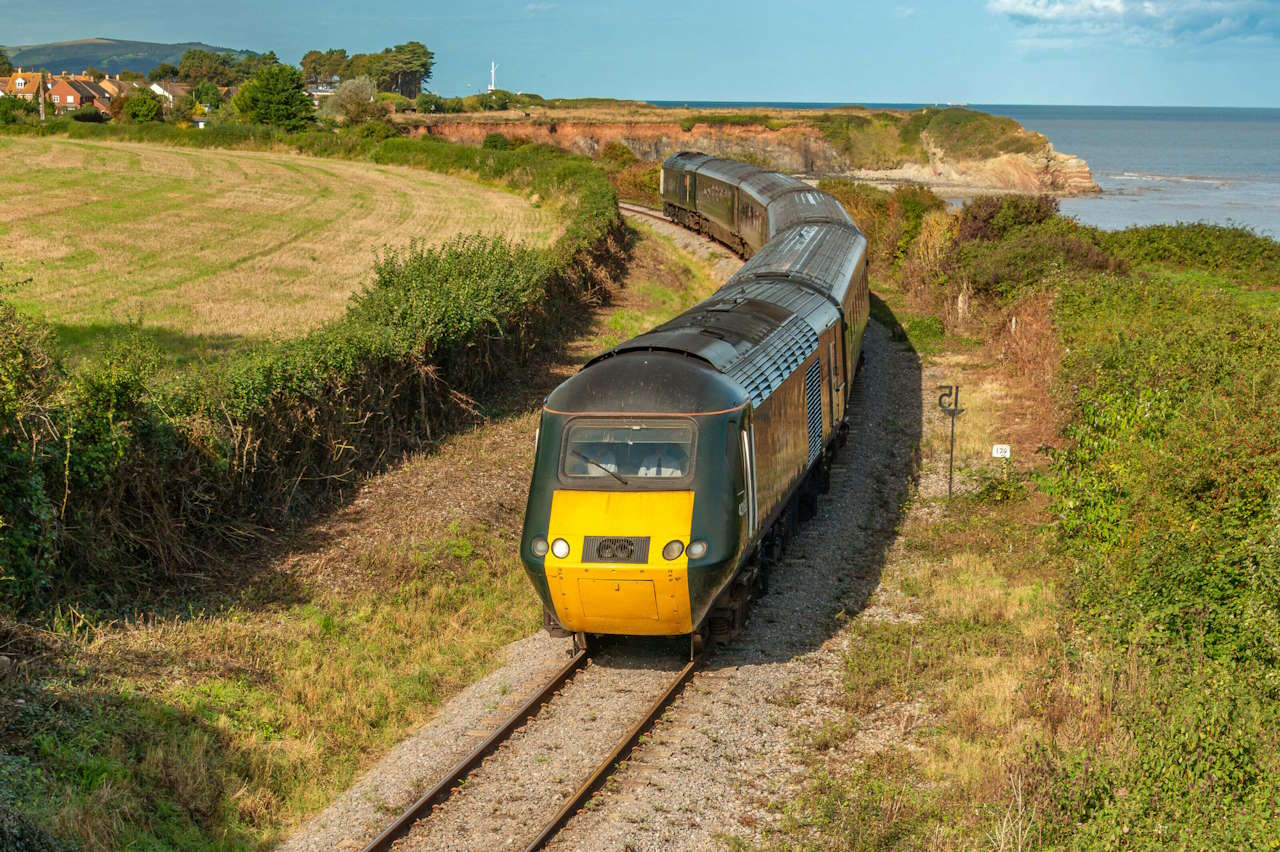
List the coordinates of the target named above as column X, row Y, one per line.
column 672, row 469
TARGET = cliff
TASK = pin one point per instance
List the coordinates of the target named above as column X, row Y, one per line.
column 968, row 153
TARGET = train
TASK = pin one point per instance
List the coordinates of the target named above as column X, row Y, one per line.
column 672, row 470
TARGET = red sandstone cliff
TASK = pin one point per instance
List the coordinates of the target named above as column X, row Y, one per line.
column 798, row 149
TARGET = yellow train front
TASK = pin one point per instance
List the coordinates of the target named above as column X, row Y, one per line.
column 671, row 470
column 635, row 521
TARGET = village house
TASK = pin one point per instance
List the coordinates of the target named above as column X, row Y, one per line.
column 23, row 84
column 115, row 87
column 170, row 92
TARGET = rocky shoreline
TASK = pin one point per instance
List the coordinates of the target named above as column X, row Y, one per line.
column 798, row 148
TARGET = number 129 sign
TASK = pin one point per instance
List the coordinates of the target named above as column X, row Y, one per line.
column 1000, row 451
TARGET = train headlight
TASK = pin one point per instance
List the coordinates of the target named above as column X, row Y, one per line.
column 539, row 546
column 560, row 548
column 697, row 549
column 673, row 550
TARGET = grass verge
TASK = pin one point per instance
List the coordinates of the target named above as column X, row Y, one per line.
column 224, row 725
column 1080, row 649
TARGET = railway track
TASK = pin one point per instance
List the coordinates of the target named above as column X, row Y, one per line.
column 628, row 207
column 416, row 818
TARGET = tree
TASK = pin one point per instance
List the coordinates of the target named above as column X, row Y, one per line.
column 322, row 66
column 207, row 93
column 371, row 65
column 355, row 101
column 199, row 66
column 131, row 76
column 163, row 71
column 276, row 96
column 403, row 68
column 250, row 65
column 95, row 73
column 183, row 108
column 13, row 110
column 143, row 105
column 408, row 67
column 6, row 67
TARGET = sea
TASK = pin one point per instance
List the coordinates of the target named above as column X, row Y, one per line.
column 1154, row 164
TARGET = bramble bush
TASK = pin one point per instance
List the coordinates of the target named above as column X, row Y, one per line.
column 1168, row 504
column 891, row 221
column 1236, row 252
column 115, row 475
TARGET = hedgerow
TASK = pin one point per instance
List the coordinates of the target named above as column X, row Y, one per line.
column 1240, row 253
column 1168, row 505
column 115, row 473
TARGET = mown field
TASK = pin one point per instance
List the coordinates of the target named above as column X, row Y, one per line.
column 208, row 250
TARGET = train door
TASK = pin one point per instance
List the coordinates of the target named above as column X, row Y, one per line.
column 750, row 508
column 836, row 385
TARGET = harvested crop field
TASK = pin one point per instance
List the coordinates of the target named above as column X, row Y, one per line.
column 209, row 250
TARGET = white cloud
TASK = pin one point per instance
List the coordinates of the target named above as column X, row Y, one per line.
column 539, row 8
column 1144, row 22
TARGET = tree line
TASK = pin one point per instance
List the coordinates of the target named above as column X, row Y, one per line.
column 402, row 69
column 259, row 88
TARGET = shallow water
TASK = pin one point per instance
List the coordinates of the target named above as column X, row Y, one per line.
column 1159, row 164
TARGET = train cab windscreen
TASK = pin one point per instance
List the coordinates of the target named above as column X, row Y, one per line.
column 628, row 453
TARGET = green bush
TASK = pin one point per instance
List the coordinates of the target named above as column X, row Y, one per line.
column 991, row 217
column 14, row 110
column 1026, row 255
column 615, row 156
column 891, row 221
column 495, row 142
column 968, row 134
column 142, row 106
column 1237, row 252
column 733, row 119
column 89, row 114
column 29, row 451
column 1007, row 244
column 1168, row 505
column 398, row 102
column 429, row 102
column 277, row 97
column 114, row 477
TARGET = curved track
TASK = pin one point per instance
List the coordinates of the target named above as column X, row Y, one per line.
column 722, row 749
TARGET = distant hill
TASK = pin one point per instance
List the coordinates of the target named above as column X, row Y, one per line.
column 107, row 54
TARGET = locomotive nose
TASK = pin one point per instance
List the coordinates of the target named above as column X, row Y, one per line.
column 614, row 576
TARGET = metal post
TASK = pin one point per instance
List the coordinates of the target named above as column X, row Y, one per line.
column 951, row 460
column 949, row 402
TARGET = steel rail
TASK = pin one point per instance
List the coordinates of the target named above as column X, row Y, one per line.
column 440, row 792
column 619, row 753
column 641, row 210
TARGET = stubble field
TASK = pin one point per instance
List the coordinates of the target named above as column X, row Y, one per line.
column 206, row 251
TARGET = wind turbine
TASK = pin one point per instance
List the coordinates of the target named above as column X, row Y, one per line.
column 493, row 76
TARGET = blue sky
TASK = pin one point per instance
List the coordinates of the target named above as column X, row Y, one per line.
column 1163, row 52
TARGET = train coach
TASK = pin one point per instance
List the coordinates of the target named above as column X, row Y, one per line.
column 672, row 469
